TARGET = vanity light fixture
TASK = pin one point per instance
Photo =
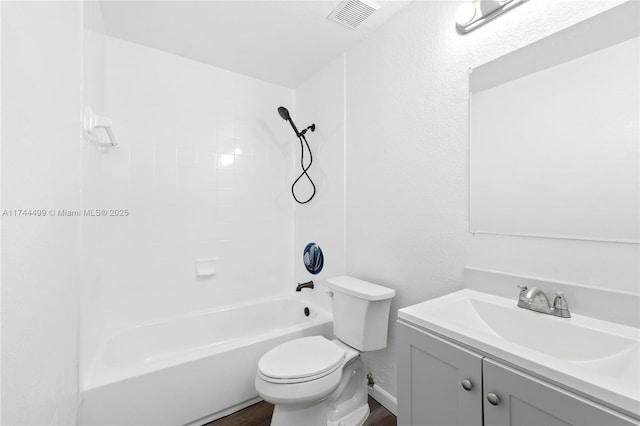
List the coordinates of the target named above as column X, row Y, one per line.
column 474, row 13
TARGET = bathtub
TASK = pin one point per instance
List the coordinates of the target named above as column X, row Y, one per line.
column 190, row 369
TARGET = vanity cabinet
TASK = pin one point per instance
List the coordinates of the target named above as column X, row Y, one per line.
column 430, row 375
column 441, row 383
column 526, row 400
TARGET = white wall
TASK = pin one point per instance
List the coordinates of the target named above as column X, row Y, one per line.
column 204, row 167
column 41, row 48
column 407, row 162
column 320, row 100
column 91, row 253
column 1, row 316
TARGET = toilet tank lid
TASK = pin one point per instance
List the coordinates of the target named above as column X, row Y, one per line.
column 360, row 289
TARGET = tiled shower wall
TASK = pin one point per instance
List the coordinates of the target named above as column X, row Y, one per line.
column 204, row 168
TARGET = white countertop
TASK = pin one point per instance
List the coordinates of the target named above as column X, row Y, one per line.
column 596, row 358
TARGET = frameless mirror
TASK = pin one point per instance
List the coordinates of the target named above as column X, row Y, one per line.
column 555, row 134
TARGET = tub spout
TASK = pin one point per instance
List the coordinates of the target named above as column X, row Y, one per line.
column 304, row 285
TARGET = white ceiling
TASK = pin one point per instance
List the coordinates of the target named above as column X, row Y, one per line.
column 283, row 42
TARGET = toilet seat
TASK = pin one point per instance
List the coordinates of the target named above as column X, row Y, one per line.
column 303, row 392
column 301, row 360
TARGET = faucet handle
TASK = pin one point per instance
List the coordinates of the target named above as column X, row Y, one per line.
column 560, row 304
column 522, row 302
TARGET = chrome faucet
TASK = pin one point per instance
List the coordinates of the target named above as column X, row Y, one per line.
column 308, row 284
column 534, row 299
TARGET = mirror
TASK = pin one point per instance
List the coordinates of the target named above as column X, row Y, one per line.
column 313, row 258
column 555, row 134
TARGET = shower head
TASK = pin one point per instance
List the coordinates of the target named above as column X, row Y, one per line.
column 284, row 113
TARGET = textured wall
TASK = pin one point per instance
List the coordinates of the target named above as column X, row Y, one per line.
column 407, row 162
column 320, row 100
column 41, row 156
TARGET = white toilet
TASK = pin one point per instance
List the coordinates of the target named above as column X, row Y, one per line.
column 314, row 381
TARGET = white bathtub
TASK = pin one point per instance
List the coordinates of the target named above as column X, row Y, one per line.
column 190, row 369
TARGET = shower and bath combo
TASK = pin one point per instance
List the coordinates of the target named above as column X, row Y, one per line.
column 284, row 113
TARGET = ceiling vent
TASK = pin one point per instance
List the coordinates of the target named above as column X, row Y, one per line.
column 351, row 13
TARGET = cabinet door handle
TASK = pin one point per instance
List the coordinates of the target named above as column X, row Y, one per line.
column 493, row 398
column 467, row 385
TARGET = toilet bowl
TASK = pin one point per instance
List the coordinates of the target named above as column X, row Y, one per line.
column 314, row 381
column 331, row 386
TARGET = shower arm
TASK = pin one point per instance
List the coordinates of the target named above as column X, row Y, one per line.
column 300, row 134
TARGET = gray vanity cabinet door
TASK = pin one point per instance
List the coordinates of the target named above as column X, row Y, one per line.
column 527, row 401
column 430, row 375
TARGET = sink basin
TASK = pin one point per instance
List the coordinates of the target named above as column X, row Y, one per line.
column 557, row 337
column 598, row 357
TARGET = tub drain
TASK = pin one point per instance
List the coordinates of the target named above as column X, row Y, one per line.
column 306, row 311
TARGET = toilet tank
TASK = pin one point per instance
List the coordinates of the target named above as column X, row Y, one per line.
column 360, row 312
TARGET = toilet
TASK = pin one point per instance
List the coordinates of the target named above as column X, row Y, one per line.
column 314, row 381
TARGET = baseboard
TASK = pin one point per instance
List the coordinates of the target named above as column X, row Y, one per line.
column 385, row 399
